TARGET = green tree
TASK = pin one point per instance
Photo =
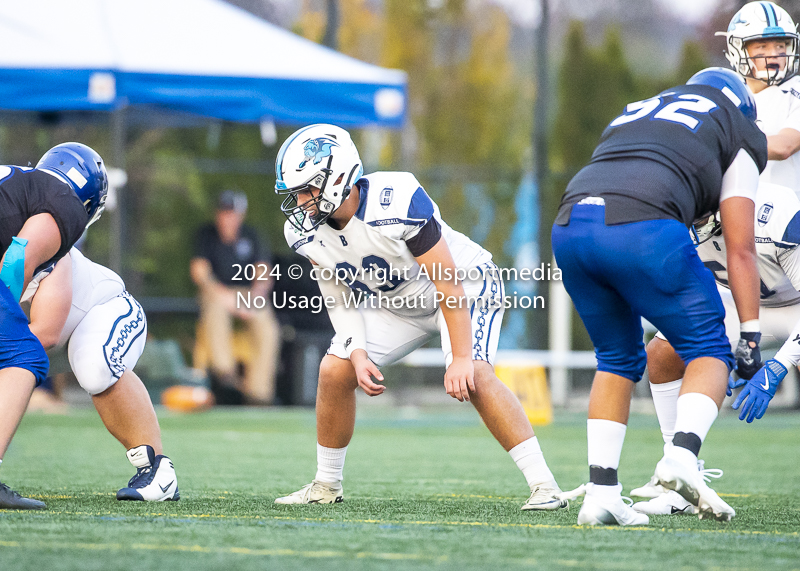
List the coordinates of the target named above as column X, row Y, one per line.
column 594, row 85
column 693, row 59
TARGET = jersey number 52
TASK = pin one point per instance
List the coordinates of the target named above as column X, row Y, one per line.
column 673, row 112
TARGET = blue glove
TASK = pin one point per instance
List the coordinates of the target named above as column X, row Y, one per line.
column 748, row 354
column 734, row 382
column 759, row 390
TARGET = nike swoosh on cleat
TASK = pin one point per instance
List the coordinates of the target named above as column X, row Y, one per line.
column 165, row 488
column 676, row 510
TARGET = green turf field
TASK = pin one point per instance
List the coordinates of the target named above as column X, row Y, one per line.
column 423, row 489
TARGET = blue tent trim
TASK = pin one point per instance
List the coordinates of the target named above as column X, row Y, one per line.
column 247, row 99
column 241, row 99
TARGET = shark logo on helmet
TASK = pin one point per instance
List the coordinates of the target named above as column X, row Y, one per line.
column 316, row 150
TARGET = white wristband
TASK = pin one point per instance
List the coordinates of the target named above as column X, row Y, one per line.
column 751, row 326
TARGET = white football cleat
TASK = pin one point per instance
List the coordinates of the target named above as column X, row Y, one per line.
column 315, row 493
column 155, row 479
column 669, row 503
column 651, row 489
column 685, row 478
column 545, row 497
column 608, row 508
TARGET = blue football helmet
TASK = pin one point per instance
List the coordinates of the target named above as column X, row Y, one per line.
column 83, row 169
column 731, row 84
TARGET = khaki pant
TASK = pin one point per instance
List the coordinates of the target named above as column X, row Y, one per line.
column 264, row 331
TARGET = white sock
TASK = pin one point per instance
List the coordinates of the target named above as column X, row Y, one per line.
column 330, row 464
column 605, row 438
column 696, row 413
column 529, row 458
column 665, row 399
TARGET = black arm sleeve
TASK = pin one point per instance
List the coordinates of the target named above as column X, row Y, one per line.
column 427, row 237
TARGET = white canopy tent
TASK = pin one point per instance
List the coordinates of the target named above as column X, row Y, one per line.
column 204, row 57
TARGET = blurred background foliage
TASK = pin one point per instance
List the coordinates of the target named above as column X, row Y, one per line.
column 468, row 138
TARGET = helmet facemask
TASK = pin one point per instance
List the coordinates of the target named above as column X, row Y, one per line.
column 771, row 74
column 704, row 229
column 300, row 214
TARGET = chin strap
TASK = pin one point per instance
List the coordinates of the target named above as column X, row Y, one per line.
column 13, row 271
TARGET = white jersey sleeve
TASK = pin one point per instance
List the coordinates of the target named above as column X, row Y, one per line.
column 778, row 108
column 741, row 178
column 348, row 322
column 297, row 239
column 396, row 205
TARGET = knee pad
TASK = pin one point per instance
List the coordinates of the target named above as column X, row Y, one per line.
column 92, row 371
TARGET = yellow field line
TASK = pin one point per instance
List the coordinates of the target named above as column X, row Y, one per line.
column 519, row 497
column 471, row 496
column 432, row 523
column 221, row 550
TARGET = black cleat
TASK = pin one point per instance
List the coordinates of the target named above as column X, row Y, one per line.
column 11, row 500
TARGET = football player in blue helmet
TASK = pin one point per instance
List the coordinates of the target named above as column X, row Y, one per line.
column 84, row 170
column 731, row 84
column 664, row 163
column 45, row 211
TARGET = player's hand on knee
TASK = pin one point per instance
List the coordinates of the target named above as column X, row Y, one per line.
column 365, row 371
column 459, row 379
column 748, row 355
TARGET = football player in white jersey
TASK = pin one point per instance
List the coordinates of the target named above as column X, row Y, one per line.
column 381, row 236
column 85, row 306
column 777, row 236
column 762, row 46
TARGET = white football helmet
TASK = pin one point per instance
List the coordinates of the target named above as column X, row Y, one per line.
column 757, row 21
column 320, row 156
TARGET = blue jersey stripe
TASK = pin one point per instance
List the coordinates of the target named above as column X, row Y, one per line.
column 363, row 192
column 792, row 232
column 421, row 205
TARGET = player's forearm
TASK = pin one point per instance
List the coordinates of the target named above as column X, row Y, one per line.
column 456, row 315
column 745, row 283
column 347, row 321
column 783, row 145
column 349, row 324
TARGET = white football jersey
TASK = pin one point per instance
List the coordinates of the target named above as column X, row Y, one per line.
column 92, row 284
column 777, row 232
column 778, row 107
column 392, row 208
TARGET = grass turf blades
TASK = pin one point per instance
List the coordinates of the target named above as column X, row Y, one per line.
column 423, row 489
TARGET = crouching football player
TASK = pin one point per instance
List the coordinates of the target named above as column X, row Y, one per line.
column 777, row 233
column 43, row 212
column 384, row 235
column 85, row 306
